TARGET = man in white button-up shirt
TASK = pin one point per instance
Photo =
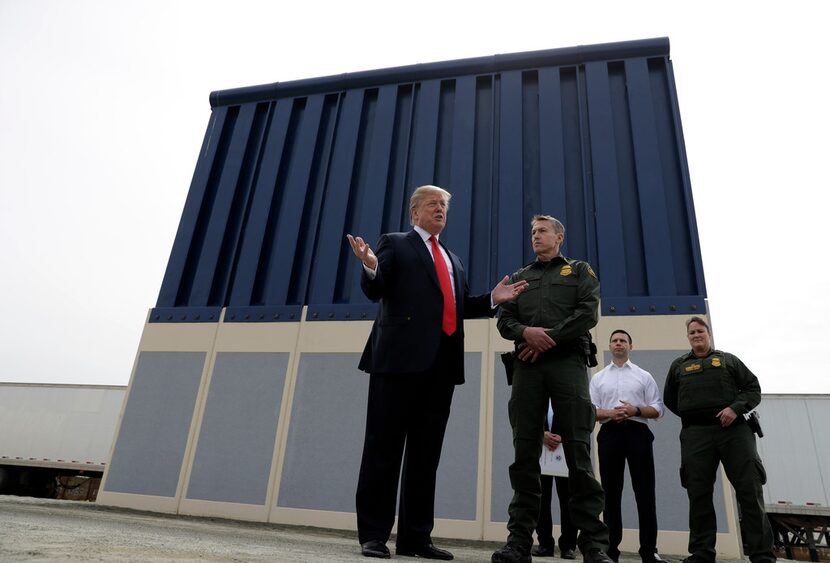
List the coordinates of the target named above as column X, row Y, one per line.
column 626, row 396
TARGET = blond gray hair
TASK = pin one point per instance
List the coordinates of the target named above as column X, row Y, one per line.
column 423, row 191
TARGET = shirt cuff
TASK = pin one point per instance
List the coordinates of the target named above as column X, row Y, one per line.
column 373, row 273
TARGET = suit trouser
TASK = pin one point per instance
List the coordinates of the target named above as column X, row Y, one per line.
column 406, row 419
column 544, row 527
column 702, row 448
column 617, row 443
column 562, row 379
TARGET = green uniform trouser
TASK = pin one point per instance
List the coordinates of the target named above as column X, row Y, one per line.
column 564, row 380
column 701, row 448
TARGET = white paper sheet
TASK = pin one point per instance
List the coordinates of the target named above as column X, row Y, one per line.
column 553, row 462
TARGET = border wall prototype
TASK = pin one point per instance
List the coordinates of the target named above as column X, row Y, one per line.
column 245, row 400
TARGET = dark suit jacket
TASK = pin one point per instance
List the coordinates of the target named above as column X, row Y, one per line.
column 407, row 332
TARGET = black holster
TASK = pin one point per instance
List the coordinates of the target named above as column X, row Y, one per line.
column 588, row 349
column 507, row 359
column 754, row 423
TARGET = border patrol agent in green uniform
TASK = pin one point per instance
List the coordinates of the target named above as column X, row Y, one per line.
column 711, row 391
column 549, row 323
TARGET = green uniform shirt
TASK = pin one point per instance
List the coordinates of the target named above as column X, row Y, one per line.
column 701, row 387
column 562, row 295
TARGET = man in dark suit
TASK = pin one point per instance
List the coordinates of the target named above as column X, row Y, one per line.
column 415, row 355
column 552, row 440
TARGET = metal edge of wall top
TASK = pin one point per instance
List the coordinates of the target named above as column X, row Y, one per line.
column 610, row 307
column 412, row 73
column 634, row 306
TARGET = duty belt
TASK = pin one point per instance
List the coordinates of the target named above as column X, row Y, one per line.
column 705, row 420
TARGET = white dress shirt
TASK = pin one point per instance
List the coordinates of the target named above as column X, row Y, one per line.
column 629, row 383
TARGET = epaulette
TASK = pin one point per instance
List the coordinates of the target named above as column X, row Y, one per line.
column 574, row 262
column 525, row 267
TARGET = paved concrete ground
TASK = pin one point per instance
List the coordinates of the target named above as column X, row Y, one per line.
column 53, row 530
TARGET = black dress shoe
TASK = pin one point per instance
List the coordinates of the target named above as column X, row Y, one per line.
column 542, row 551
column 375, row 548
column 511, row 553
column 568, row 553
column 596, row 556
column 426, row 551
column 654, row 559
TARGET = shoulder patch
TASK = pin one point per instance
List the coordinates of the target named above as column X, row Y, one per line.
column 591, row 271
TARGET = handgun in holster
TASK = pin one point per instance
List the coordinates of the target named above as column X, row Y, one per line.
column 588, row 349
column 507, row 359
column 754, row 423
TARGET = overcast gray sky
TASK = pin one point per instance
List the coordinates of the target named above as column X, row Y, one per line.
column 103, row 106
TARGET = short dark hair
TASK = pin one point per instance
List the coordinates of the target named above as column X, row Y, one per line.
column 621, row 331
column 700, row 321
column 558, row 227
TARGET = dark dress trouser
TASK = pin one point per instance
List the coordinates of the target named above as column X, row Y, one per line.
column 618, row 443
column 410, row 411
column 544, row 527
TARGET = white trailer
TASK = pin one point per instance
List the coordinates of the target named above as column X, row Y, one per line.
column 52, row 433
column 797, row 460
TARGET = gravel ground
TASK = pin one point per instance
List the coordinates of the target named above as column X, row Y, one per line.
column 54, row 530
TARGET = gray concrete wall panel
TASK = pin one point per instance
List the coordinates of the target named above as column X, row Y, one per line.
column 147, row 457
column 328, row 421
column 500, row 490
column 236, row 441
column 323, row 450
column 455, row 489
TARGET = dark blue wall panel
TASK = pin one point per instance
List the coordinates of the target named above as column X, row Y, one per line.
column 589, row 134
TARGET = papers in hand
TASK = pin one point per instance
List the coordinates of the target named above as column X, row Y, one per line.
column 553, row 462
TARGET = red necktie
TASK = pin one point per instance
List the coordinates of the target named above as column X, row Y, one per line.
column 448, row 322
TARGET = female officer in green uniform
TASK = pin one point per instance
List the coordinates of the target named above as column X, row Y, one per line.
column 710, row 391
